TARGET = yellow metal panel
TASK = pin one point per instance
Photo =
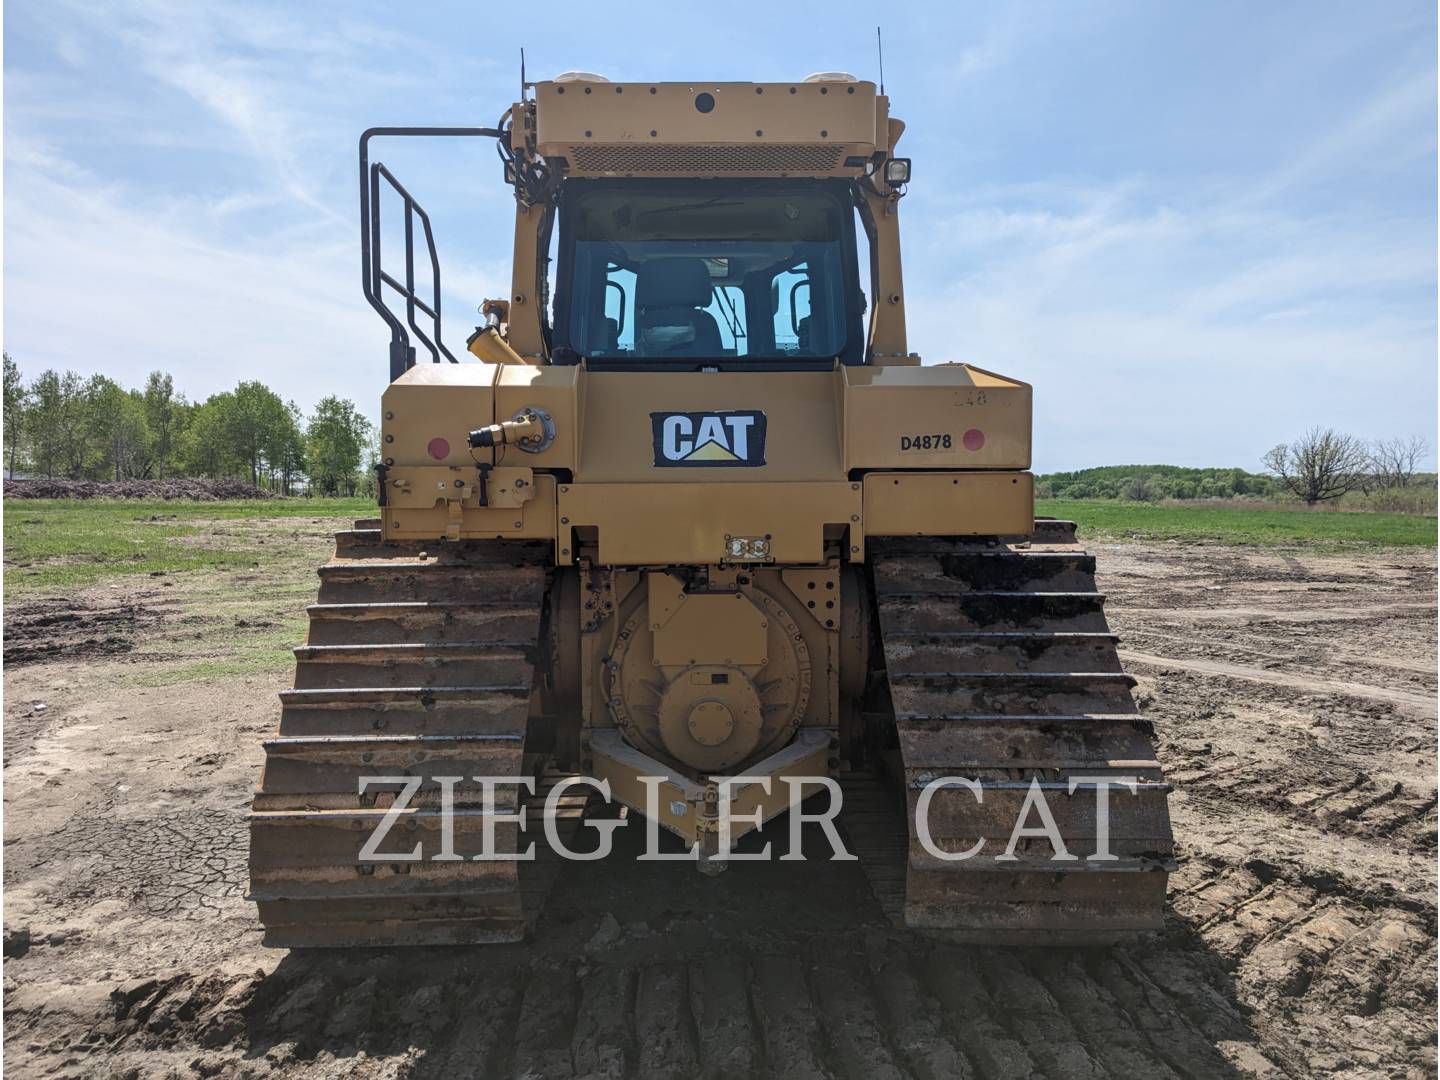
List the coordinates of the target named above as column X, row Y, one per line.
column 808, row 755
column 802, row 433
column 421, row 486
column 656, row 129
column 430, row 401
column 940, row 416
column 880, row 214
column 680, row 799
column 726, row 626
column 817, row 589
column 559, row 390
column 524, row 333
column 664, row 595
column 688, row 523
column 949, row 504
column 414, row 520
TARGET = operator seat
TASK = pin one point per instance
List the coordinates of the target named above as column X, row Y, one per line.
column 669, row 297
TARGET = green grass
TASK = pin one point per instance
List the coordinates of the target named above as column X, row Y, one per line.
column 1226, row 525
column 56, row 544
column 53, row 544
column 227, row 649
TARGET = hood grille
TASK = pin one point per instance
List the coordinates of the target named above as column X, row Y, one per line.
column 773, row 158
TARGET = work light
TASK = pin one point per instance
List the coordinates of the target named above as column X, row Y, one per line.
column 897, row 171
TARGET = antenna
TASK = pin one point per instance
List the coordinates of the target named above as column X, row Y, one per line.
column 523, row 83
column 880, row 48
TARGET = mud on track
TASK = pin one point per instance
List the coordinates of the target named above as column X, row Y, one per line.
column 1294, row 696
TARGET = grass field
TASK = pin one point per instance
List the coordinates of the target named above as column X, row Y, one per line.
column 52, row 544
column 57, row 544
column 1228, row 525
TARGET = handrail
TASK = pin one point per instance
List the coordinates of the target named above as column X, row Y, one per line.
column 407, row 290
column 373, row 277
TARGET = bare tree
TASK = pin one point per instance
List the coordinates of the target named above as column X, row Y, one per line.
column 1138, row 488
column 1322, row 464
column 1394, row 462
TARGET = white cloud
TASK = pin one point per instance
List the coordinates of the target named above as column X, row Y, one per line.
column 104, row 287
column 249, row 268
column 1011, row 30
column 1200, row 319
column 1377, row 135
column 1197, row 336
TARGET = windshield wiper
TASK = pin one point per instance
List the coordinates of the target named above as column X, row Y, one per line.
column 718, row 200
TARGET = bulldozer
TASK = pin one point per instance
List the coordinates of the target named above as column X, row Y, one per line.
column 687, row 509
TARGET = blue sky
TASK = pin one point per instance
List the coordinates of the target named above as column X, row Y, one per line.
column 1197, row 228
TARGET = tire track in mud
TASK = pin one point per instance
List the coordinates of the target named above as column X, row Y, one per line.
column 1299, row 681
column 1301, row 702
column 1359, row 613
column 1248, row 979
column 1257, row 964
column 1277, row 647
column 1315, row 965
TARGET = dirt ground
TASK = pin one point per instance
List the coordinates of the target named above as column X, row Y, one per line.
column 1294, row 696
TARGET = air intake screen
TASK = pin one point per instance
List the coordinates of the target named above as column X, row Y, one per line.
column 796, row 158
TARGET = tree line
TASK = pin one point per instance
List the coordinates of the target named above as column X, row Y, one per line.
column 61, row 424
column 1150, row 483
column 1319, row 466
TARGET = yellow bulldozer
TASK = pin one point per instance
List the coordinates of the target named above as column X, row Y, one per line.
column 689, row 509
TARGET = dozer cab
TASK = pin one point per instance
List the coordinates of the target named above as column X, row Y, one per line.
column 687, row 509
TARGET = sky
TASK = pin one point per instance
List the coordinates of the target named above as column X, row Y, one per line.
column 1196, row 229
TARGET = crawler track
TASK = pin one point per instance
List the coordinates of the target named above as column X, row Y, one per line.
column 418, row 664
column 1002, row 670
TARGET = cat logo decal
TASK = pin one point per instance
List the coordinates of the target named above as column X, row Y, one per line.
column 733, row 439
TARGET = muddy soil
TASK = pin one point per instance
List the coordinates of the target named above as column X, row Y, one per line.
column 1294, row 695
column 43, row 629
